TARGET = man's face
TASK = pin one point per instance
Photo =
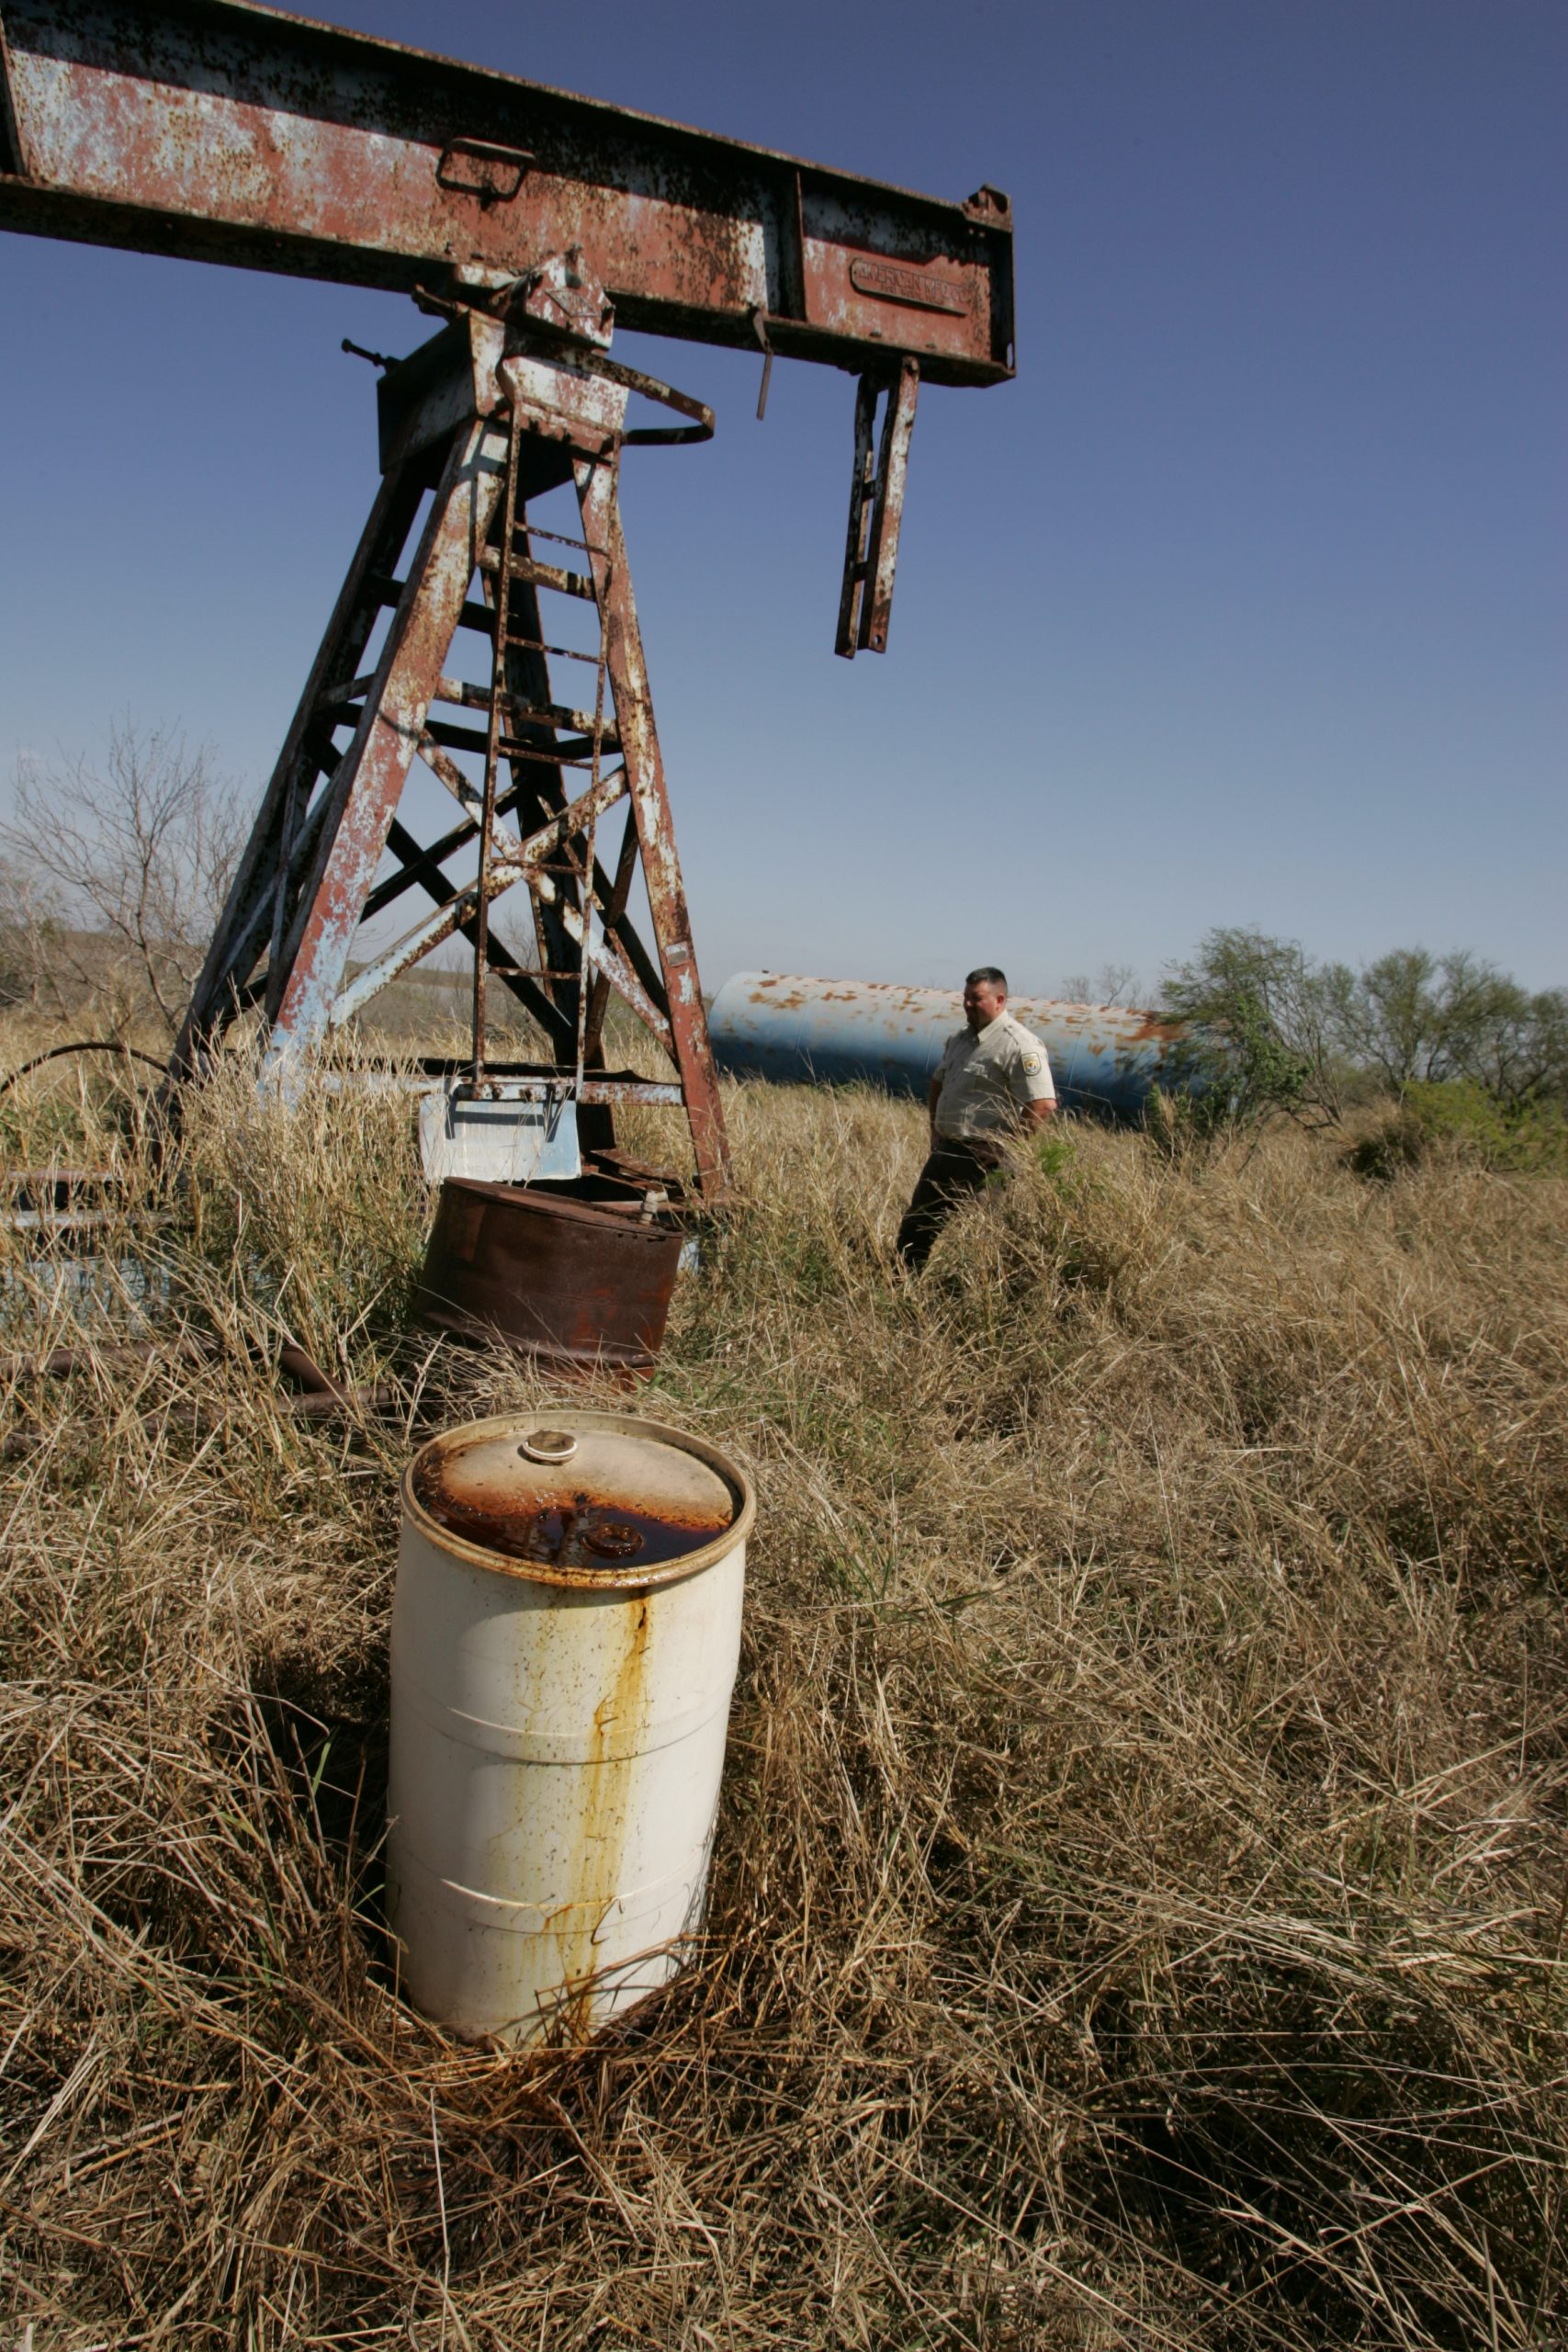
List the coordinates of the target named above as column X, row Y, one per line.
column 983, row 1000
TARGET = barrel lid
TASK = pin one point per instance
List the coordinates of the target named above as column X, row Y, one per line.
column 579, row 1497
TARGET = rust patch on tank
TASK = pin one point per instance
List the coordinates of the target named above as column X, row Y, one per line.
column 1152, row 1030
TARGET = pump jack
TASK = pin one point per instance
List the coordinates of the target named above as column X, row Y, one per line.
column 530, row 222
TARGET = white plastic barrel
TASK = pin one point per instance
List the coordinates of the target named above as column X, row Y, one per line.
column 565, row 1636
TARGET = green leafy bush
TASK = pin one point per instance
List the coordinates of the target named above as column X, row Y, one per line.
column 1461, row 1116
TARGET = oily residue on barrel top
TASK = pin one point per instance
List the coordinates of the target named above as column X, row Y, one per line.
column 580, row 1530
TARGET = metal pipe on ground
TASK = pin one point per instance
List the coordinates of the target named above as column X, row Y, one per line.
column 1105, row 1058
column 319, row 1396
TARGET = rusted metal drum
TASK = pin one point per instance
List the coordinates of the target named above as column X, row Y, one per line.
column 565, row 1636
column 573, row 1283
column 1105, row 1058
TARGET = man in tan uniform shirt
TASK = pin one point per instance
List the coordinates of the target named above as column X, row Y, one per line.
column 995, row 1080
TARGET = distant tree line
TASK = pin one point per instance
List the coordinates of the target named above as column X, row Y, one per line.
column 1453, row 1043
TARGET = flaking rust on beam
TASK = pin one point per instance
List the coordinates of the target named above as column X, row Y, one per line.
column 230, row 133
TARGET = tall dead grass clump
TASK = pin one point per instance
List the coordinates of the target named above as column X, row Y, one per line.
column 312, row 1199
column 1139, row 1908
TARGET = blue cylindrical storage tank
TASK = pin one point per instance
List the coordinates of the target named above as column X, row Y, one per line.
column 1104, row 1059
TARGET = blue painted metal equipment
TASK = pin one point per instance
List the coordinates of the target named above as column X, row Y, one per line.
column 1104, row 1059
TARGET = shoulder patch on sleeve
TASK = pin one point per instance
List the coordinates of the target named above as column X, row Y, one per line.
column 1031, row 1063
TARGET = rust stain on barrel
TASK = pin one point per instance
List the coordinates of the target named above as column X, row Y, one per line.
column 602, row 1841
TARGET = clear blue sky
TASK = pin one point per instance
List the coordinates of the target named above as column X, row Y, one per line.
column 1245, row 604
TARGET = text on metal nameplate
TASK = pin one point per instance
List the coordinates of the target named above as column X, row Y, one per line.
column 894, row 282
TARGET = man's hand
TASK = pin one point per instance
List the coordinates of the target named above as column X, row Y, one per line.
column 1038, row 1113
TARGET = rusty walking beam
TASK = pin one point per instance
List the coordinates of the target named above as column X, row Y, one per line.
column 222, row 131
column 530, row 219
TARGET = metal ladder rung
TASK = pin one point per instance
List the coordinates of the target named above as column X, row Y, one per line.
column 538, row 645
column 561, row 539
column 548, row 713
column 481, row 619
column 573, row 753
column 339, row 698
column 542, row 575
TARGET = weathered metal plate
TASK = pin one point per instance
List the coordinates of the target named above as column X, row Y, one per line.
column 58, row 1201
column 497, row 1142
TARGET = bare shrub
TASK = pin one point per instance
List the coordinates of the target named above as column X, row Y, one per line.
column 29, row 937
column 131, row 863
column 1112, row 984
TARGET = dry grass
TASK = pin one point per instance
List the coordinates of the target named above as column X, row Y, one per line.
column 1139, row 1912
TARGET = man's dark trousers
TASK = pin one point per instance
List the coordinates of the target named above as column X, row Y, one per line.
column 957, row 1167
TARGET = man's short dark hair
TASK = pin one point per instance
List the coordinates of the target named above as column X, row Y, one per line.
column 988, row 973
